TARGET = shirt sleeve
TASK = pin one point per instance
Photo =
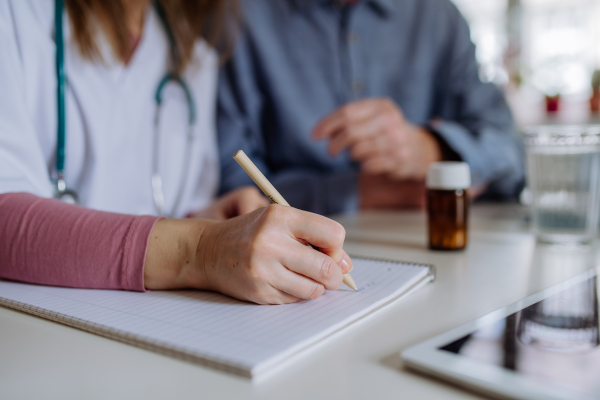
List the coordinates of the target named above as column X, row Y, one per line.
column 45, row 241
column 240, row 109
column 474, row 119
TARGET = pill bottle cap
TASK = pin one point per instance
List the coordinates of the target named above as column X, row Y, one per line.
column 449, row 175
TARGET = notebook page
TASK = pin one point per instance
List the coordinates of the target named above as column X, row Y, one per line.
column 211, row 328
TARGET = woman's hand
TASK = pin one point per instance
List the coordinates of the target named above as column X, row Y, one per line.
column 260, row 257
column 237, row 202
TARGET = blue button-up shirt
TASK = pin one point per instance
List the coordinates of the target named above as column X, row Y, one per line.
column 298, row 61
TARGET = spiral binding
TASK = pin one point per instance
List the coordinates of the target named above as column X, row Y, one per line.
column 432, row 267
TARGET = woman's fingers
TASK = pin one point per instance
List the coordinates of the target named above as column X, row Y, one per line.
column 250, row 199
column 238, row 202
column 319, row 231
column 313, row 264
column 256, row 256
column 277, row 296
column 346, row 263
column 325, row 234
column 296, row 285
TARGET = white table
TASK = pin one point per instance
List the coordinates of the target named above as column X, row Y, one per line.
column 503, row 264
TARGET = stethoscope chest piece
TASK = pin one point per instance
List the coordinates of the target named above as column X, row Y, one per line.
column 63, row 194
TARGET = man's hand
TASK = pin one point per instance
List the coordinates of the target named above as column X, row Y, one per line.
column 237, row 202
column 379, row 137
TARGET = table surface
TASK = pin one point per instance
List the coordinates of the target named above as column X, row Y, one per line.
column 503, row 264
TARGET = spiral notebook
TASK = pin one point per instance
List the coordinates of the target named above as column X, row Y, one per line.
column 218, row 331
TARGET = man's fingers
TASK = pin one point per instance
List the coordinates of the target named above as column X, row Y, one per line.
column 338, row 142
column 361, row 131
column 313, row 264
column 344, row 116
column 379, row 165
column 364, row 149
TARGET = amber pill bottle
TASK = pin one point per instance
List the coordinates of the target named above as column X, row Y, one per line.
column 448, row 205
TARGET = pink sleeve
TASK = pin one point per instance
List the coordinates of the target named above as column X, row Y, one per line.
column 48, row 242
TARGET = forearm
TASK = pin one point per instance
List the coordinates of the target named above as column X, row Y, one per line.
column 474, row 119
column 47, row 242
column 493, row 153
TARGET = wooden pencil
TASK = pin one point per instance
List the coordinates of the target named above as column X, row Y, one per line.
column 269, row 190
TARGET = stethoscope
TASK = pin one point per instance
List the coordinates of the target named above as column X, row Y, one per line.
column 61, row 191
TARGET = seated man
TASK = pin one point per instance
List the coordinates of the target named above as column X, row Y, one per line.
column 345, row 104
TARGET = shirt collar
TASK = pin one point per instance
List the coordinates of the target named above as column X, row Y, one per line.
column 383, row 7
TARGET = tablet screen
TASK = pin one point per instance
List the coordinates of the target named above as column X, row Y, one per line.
column 555, row 341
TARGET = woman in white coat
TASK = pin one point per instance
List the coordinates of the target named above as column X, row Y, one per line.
column 110, row 104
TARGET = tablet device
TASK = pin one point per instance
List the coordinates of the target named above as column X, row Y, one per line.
column 543, row 347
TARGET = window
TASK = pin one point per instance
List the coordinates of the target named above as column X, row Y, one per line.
column 550, row 45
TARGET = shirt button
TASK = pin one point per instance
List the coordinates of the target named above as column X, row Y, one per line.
column 358, row 87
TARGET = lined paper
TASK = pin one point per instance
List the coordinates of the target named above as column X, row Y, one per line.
column 214, row 329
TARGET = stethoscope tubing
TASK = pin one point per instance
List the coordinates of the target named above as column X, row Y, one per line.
column 157, row 186
column 61, row 87
column 61, row 191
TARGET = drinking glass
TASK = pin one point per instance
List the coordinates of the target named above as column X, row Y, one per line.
column 566, row 321
column 563, row 168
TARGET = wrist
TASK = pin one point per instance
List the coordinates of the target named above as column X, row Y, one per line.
column 207, row 252
column 447, row 153
column 172, row 257
column 431, row 145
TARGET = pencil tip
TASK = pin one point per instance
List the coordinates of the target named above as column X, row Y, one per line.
column 350, row 282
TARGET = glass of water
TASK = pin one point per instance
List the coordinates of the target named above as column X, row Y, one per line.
column 563, row 172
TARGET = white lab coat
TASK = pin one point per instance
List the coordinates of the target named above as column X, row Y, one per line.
column 109, row 116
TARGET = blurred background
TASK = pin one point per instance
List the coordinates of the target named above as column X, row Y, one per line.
column 545, row 54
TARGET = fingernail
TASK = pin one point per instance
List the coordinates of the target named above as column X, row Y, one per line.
column 346, row 264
